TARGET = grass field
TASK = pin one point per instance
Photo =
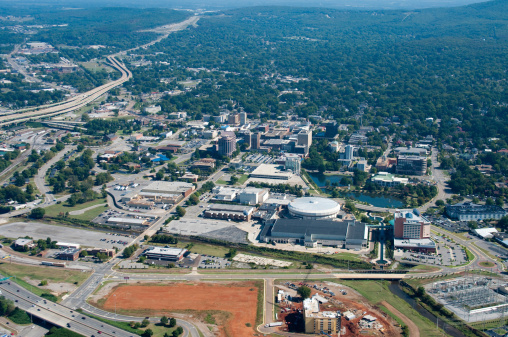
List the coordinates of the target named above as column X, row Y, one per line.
column 242, row 179
column 205, row 249
column 55, row 210
column 158, row 330
column 377, row 291
column 43, row 273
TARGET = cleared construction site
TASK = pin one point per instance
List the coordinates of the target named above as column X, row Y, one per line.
column 472, row 298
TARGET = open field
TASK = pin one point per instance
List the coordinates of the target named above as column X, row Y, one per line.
column 43, row 273
column 231, row 305
column 377, row 292
column 57, row 209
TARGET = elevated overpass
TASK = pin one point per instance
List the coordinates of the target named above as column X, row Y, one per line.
column 72, row 104
column 57, row 314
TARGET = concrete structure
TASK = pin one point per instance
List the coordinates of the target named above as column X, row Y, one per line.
column 348, row 152
column 305, row 138
column 152, row 109
column 243, row 118
column 210, row 134
column 410, row 151
column 189, row 177
column 253, row 196
column 19, row 243
column 387, row 179
column 225, row 193
column 127, row 221
column 386, row 164
column 229, row 212
column 293, row 164
column 227, row 143
column 486, row 233
column 204, row 164
column 468, row 211
column 419, row 245
column 313, row 208
column 169, row 187
column 69, row 254
column 66, row 245
column 411, row 165
column 255, row 141
column 233, row 119
column 317, row 321
column 268, row 171
column 313, row 233
column 139, row 202
column 411, row 225
column 166, row 254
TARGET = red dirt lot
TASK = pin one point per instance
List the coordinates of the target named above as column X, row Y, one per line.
column 238, row 298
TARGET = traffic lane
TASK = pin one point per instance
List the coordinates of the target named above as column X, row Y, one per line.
column 41, row 307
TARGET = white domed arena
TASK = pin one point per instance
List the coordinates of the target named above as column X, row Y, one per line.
column 313, row 208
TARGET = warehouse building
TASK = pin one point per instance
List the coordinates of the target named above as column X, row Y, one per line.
column 169, row 187
column 311, row 233
column 229, row 212
column 127, row 222
column 253, row 196
column 468, row 211
column 165, row 254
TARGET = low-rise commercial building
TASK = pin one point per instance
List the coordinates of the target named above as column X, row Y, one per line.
column 69, row 254
column 268, row 171
column 468, row 211
column 204, row 164
column 165, row 254
column 169, row 187
column 387, row 179
column 229, row 212
column 253, row 196
column 127, row 222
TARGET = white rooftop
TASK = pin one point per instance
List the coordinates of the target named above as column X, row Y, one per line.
column 485, row 232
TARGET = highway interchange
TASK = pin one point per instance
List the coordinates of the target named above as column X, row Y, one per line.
column 65, row 314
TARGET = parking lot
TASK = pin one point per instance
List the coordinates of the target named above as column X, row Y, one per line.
column 448, row 254
column 86, row 238
column 213, row 262
column 259, row 159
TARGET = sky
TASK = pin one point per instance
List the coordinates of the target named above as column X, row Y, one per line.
column 224, row 4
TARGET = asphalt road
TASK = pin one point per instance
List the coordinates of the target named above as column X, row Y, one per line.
column 57, row 313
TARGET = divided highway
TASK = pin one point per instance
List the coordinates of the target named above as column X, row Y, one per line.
column 74, row 103
column 58, row 314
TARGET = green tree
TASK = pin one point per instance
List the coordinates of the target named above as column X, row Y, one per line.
column 304, row 292
column 440, row 203
column 37, row 213
column 145, row 323
column 147, row 333
column 180, row 211
column 164, row 320
column 172, row 322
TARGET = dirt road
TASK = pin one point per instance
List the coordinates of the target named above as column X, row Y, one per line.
column 413, row 329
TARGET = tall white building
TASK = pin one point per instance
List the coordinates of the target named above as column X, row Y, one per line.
column 349, row 152
column 243, row 118
column 293, row 164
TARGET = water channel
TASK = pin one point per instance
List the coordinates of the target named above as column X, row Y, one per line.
column 447, row 328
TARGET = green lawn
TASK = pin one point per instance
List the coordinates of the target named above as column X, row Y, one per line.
column 91, row 214
column 242, row 179
column 221, row 182
column 55, row 210
column 42, row 273
column 158, row 330
column 205, row 249
column 377, row 291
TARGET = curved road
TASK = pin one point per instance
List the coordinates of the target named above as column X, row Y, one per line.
column 74, row 103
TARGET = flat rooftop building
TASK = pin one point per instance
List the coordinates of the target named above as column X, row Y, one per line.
column 166, row 254
column 468, row 211
column 229, row 212
column 341, row 234
column 268, row 171
column 169, row 187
